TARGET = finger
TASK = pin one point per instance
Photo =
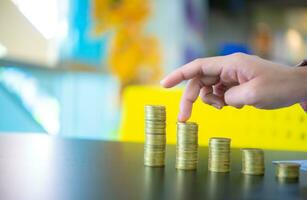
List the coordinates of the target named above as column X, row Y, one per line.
column 190, row 95
column 206, row 66
column 219, row 89
column 210, row 80
column 207, row 96
column 240, row 95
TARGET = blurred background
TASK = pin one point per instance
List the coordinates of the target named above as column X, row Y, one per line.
column 65, row 64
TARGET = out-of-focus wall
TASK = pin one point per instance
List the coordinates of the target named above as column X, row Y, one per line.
column 180, row 26
column 225, row 27
column 20, row 38
column 288, row 30
column 171, row 33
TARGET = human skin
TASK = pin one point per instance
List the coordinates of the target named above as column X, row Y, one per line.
column 237, row 80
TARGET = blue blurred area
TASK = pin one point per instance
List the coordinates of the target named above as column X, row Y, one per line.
column 89, row 107
column 66, row 103
column 14, row 117
column 229, row 48
column 80, row 45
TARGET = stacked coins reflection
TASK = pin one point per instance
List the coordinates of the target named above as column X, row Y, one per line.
column 154, row 148
column 286, row 170
column 187, row 146
column 252, row 161
column 219, row 154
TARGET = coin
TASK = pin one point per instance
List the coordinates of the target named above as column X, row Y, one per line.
column 155, row 135
column 187, row 146
column 219, row 154
column 287, row 170
column 252, row 161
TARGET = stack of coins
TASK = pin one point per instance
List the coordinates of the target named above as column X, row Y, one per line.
column 155, row 138
column 252, row 161
column 187, row 146
column 287, row 170
column 219, row 154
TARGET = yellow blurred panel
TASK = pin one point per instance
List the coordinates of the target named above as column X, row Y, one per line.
column 248, row 127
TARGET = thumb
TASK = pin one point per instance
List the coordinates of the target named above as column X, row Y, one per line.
column 240, row 95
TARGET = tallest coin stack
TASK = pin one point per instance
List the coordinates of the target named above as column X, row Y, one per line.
column 155, row 141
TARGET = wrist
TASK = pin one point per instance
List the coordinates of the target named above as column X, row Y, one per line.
column 300, row 82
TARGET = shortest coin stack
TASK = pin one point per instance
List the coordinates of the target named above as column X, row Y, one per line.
column 187, row 146
column 252, row 161
column 219, row 154
column 287, row 170
column 155, row 138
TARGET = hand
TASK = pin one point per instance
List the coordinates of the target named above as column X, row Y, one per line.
column 237, row 80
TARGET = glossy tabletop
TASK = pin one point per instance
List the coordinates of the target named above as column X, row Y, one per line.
column 43, row 167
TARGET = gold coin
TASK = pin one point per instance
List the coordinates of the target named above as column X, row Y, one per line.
column 287, row 170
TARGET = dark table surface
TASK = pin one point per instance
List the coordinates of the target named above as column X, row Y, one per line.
column 42, row 167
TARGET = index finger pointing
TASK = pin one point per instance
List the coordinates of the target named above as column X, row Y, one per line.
column 205, row 66
column 189, row 97
column 185, row 72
